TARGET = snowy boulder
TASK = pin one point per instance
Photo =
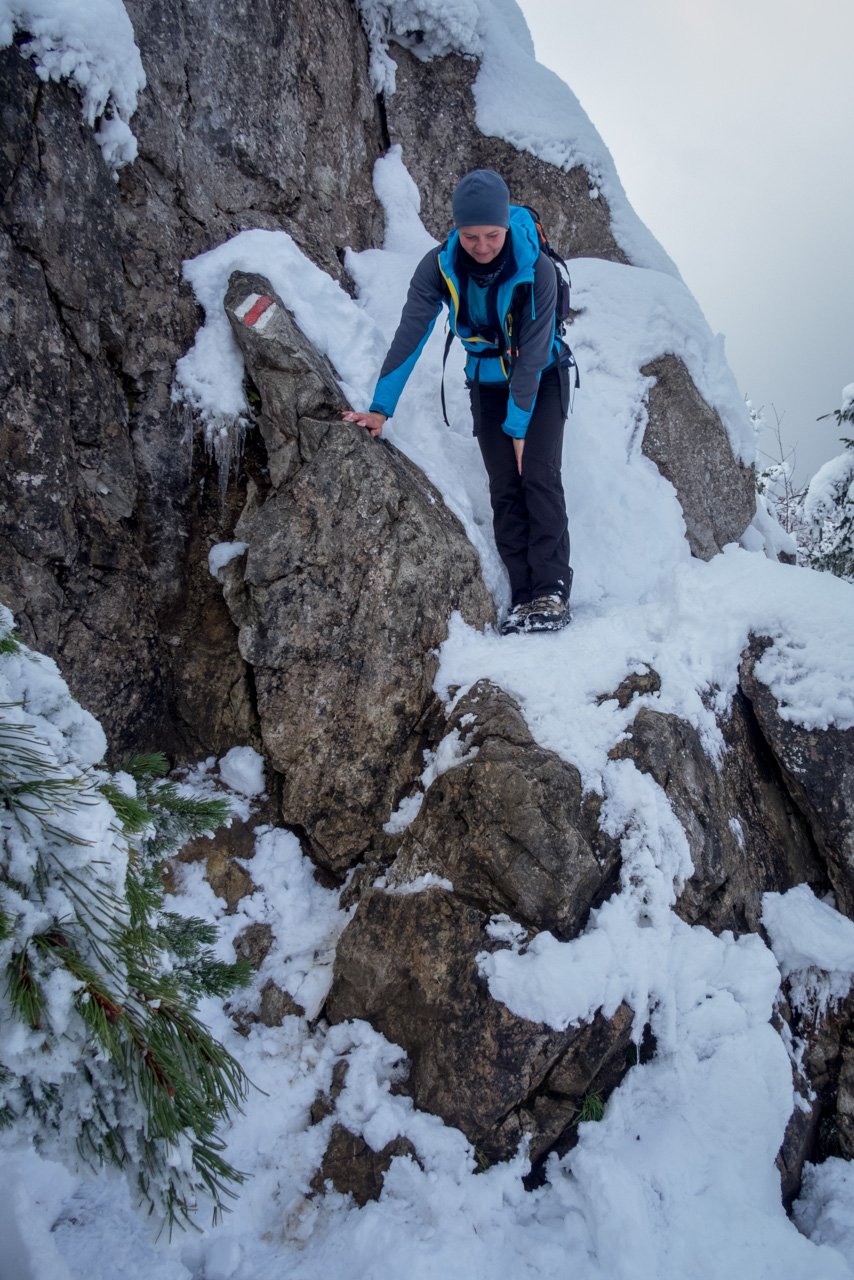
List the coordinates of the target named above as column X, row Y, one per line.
column 408, row 964
column 509, row 826
column 297, row 380
column 354, row 1168
column 817, row 765
column 503, row 845
column 354, row 568
column 687, row 441
column 743, row 831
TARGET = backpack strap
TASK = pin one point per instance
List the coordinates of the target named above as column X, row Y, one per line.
column 475, row 400
column 448, row 341
column 564, row 279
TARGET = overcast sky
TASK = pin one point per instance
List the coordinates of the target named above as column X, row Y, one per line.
column 732, row 127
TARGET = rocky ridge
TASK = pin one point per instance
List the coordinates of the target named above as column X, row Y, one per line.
column 109, row 509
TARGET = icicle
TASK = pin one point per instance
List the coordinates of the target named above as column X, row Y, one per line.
column 187, row 432
column 224, row 437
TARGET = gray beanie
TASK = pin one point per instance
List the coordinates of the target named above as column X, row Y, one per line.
column 481, row 200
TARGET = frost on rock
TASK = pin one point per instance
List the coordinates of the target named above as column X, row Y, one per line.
column 429, row 29
column 451, row 751
column 814, row 947
column 91, row 45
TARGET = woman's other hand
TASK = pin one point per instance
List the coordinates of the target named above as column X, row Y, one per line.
column 518, row 446
column 372, row 421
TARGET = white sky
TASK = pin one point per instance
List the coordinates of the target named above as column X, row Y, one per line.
column 732, row 128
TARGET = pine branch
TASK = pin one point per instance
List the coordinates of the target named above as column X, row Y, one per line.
column 138, row 972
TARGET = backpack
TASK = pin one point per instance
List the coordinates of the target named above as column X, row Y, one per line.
column 564, row 282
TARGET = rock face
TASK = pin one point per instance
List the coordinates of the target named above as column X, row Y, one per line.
column 266, row 121
column 432, row 115
column 715, row 513
column 319, row 644
column 109, row 512
column 104, row 534
column 510, row 826
column 407, row 963
column 70, row 566
column 818, row 767
column 745, row 833
column 355, row 565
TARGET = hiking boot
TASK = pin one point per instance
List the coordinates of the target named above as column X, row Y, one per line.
column 547, row 613
column 516, row 619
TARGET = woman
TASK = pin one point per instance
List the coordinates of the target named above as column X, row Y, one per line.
column 501, row 292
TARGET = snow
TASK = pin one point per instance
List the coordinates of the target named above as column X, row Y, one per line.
column 242, row 769
column 813, row 945
column 687, row 1142
column 210, row 376
column 304, row 916
column 829, row 484
column 678, row 1178
column 451, row 751
column 630, row 316
column 92, row 45
column 64, row 859
column 825, row 1209
column 30, row 1203
column 223, row 553
column 421, row 883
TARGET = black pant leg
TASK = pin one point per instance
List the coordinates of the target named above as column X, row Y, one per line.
column 528, row 512
column 548, row 542
column 510, row 523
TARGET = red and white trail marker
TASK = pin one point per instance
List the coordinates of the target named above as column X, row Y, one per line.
column 256, row 311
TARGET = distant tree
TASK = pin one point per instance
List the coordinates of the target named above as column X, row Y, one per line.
column 828, row 505
column 818, row 516
column 775, row 472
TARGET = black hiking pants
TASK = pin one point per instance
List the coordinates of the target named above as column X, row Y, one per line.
column 528, row 511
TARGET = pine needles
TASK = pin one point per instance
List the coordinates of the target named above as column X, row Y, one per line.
column 117, row 1066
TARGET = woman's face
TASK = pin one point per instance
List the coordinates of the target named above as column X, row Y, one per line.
column 483, row 243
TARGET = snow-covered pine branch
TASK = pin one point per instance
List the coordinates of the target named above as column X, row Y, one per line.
column 103, row 1060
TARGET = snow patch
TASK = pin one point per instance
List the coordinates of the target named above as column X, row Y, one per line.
column 242, row 769
column 223, row 553
column 814, row 947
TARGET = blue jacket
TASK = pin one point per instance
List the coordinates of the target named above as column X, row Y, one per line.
column 531, row 286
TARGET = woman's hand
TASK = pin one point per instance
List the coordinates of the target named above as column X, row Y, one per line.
column 372, row 421
column 518, row 446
